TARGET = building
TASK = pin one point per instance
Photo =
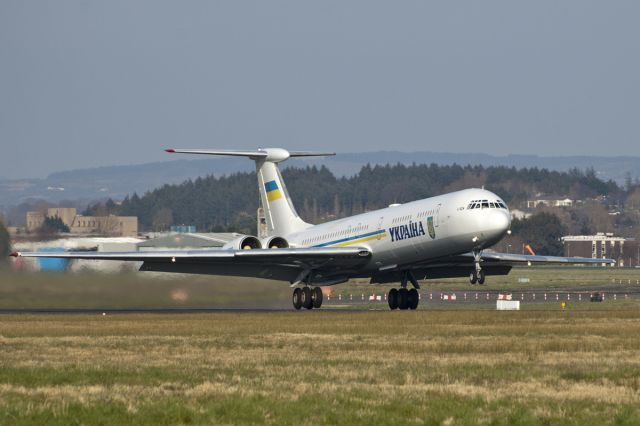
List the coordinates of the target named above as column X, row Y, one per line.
column 625, row 251
column 76, row 243
column 263, row 231
column 519, row 214
column 187, row 241
column 562, row 202
column 120, row 226
column 34, row 220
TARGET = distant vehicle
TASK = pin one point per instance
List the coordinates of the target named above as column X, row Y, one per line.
column 596, row 297
column 437, row 237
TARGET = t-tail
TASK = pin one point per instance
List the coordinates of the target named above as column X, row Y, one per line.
column 282, row 218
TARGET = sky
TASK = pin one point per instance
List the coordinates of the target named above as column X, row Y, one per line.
column 97, row 83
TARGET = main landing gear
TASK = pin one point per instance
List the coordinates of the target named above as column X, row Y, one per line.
column 403, row 298
column 307, row 297
column 477, row 274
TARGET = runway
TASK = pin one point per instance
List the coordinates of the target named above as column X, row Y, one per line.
column 375, row 299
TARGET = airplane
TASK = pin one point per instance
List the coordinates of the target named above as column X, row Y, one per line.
column 438, row 237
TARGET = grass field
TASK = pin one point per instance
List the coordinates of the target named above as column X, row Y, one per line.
column 423, row 367
column 437, row 365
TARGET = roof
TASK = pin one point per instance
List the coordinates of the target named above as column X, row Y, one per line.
column 192, row 240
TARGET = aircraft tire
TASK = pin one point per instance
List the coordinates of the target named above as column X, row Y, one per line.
column 403, row 299
column 392, row 298
column 297, row 298
column 316, row 296
column 413, row 299
column 473, row 277
column 481, row 277
column 306, row 298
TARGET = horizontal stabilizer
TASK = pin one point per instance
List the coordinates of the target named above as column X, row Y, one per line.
column 269, row 154
column 251, row 154
column 310, row 154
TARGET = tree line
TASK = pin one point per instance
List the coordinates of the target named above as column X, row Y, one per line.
column 228, row 203
column 5, row 243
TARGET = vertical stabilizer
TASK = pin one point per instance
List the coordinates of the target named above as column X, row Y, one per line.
column 281, row 217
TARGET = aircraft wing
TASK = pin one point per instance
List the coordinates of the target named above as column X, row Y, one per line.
column 284, row 264
column 493, row 263
column 520, row 259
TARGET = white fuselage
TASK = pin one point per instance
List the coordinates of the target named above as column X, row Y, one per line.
column 417, row 231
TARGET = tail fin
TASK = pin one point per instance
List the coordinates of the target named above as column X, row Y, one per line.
column 282, row 218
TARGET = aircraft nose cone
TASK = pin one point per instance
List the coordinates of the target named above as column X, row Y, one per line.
column 499, row 221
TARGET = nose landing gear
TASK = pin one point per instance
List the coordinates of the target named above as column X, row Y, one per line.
column 477, row 274
column 476, row 277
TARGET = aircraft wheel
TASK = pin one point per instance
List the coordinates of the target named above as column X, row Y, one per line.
column 481, row 277
column 307, row 301
column 473, row 277
column 392, row 298
column 413, row 299
column 297, row 298
column 316, row 296
column 403, row 299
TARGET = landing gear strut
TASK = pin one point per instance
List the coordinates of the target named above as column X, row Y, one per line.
column 307, row 297
column 477, row 274
column 402, row 298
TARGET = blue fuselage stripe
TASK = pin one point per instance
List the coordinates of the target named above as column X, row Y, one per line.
column 355, row 237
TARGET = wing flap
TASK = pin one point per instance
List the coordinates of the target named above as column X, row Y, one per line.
column 510, row 259
column 518, row 259
column 273, row 256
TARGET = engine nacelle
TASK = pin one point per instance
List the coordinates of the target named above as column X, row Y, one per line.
column 275, row 242
column 246, row 242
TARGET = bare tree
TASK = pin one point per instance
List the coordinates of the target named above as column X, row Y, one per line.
column 108, row 225
column 162, row 219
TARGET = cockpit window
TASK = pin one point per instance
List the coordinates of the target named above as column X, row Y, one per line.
column 486, row 204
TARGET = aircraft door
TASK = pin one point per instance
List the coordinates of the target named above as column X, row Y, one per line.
column 380, row 223
column 436, row 219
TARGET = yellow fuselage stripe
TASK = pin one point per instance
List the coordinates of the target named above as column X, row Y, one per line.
column 360, row 240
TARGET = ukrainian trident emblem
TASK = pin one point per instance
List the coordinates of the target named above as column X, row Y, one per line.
column 430, row 228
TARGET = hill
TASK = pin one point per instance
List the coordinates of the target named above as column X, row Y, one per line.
column 117, row 181
column 230, row 202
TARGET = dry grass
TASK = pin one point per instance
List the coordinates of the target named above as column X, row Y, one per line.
column 439, row 367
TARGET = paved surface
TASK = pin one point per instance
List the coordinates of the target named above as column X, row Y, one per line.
column 478, row 295
column 468, row 296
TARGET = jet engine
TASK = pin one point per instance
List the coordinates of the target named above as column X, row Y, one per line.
column 275, row 242
column 246, row 242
